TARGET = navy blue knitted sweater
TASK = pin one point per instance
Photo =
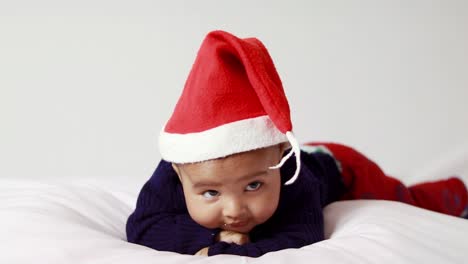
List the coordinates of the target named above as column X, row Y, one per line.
column 161, row 220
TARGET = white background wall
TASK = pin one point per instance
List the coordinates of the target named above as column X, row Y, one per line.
column 85, row 86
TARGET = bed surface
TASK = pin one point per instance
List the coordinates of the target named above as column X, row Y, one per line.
column 85, row 223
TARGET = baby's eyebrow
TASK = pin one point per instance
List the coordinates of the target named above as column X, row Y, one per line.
column 206, row 184
column 252, row 175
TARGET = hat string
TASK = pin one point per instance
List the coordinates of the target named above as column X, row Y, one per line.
column 294, row 150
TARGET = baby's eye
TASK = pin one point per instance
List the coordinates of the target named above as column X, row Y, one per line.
column 253, row 186
column 210, row 194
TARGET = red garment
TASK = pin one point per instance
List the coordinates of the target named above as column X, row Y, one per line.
column 366, row 180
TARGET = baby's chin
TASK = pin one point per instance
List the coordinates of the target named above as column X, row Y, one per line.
column 239, row 230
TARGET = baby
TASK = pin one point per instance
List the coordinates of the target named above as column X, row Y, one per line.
column 234, row 180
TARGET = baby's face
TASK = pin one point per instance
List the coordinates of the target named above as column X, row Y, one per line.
column 234, row 193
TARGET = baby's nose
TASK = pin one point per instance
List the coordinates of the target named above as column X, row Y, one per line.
column 234, row 209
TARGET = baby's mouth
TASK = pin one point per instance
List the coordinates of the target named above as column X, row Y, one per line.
column 238, row 224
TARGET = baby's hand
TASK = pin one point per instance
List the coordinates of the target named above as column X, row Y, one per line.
column 202, row 252
column 233, row 237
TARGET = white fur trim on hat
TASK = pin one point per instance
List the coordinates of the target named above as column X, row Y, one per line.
column 221, row 141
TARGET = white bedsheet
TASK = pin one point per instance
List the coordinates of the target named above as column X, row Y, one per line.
column 85, row 223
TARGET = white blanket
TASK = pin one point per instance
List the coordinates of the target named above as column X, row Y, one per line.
column 84, row 223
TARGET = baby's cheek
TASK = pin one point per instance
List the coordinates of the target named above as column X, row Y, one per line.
column 203, row 215
column 264, row 209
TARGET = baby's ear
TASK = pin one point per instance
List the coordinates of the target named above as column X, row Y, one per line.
column 283, row 147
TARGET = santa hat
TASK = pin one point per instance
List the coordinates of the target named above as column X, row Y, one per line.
column 233, row 101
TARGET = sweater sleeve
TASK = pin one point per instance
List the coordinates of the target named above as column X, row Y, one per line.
column 297, row 222
column 292, row 235
column 326, row 169
column 161, row 220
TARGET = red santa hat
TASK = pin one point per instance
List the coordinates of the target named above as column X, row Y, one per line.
column 233, row 101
